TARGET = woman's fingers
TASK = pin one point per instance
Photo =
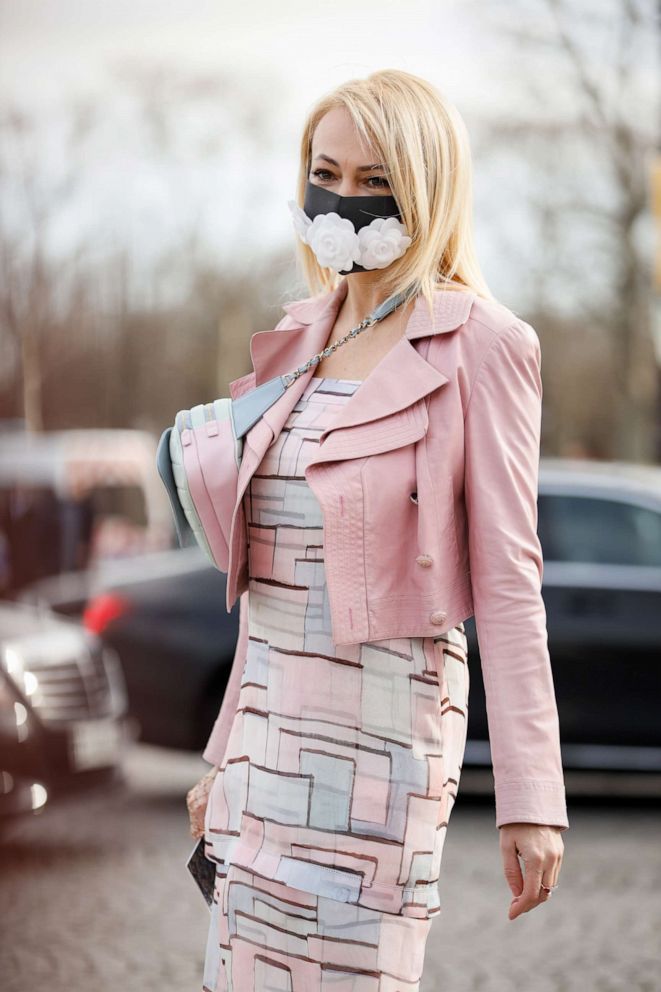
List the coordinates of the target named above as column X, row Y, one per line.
column 532, row 887
column 197, row 804
column 555, row 875
column 511, row 866
column 196, row 801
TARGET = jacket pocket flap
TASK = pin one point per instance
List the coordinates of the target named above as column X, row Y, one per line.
column 375, row 436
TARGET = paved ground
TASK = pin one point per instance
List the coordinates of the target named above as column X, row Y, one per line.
column 95, row 896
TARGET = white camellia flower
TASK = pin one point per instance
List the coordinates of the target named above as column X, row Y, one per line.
column 300, row 218
column 381, row 242
column 337, row 245
column 334, row 241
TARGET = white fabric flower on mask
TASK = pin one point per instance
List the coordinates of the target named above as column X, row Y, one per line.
column 382, row 242
column 334, row 241
column 300, row 218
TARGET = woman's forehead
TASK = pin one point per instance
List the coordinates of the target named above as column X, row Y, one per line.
column 336, row 137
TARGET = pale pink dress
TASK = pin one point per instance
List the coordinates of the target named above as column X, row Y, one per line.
column 342, row 764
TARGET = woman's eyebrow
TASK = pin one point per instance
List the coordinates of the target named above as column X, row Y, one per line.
column 361, row 168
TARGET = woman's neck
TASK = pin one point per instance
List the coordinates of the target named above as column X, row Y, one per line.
column 363, row 296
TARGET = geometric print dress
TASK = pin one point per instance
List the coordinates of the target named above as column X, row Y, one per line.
column 328, row 815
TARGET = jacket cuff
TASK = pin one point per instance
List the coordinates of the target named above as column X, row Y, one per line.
column 532, row 801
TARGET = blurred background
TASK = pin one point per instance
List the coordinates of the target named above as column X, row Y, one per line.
column 147, row 153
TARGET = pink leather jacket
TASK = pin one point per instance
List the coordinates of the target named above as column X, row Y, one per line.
column 428, row 484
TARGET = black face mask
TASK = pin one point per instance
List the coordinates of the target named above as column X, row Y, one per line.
column 360, row 210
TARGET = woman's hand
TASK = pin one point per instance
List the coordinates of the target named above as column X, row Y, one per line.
column 196, row 801
column 541, row 849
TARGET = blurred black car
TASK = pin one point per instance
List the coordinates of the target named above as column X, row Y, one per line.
column 599, row 525
column 600, row 529
column 168, row 623
column 63, row 709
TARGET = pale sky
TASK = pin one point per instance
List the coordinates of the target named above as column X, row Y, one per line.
column 62, row 43
column 63, row 49
column 54, row 51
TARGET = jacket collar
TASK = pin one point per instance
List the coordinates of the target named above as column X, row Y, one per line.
column 277, row 351
column 451, row 309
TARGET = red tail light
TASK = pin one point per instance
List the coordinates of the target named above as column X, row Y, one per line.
column 102, row 610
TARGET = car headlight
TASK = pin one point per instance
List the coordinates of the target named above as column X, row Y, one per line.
column 14, row 664
column 13, row 713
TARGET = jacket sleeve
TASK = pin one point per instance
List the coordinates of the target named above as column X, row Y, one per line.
column 214, row 752
column 502, row 448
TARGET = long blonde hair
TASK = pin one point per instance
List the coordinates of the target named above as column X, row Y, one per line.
column 423, row 142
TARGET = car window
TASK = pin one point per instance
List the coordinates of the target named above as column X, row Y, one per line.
column 599, row 531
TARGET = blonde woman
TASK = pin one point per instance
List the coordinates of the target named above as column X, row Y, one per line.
column 387, row 496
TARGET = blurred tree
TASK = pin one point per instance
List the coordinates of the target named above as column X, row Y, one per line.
column 113, row 310
column 584, row 124
column 29, row 278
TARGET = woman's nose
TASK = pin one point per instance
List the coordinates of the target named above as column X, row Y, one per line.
column 348, row 187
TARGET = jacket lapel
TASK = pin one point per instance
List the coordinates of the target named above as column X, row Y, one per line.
column 386, row 411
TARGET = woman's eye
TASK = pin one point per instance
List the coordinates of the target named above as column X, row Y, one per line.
column 376, row 182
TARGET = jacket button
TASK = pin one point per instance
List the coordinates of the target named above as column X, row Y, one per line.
column 424, row 560
column 438, row 616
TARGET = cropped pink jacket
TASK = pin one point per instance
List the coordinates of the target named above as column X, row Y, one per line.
column 427, row 480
